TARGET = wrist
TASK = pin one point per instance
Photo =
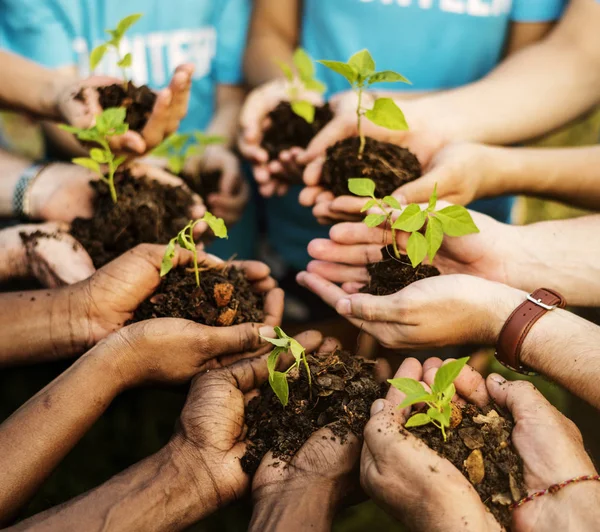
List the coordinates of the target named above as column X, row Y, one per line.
column 496, row 307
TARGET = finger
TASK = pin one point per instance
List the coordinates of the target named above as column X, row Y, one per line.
column 262, row 175
column 181, row 84
column 281, row 188
column 252, row 151
column 254, row 270
column 383, row 370
column 235, row 339
column 352, row 288
column 129, row 141
column 333, row 132
column 369, row 308
column 308, row 195
column 155, row 129
column 359, row 233
column 354, row 255
column 350, row 205
column 322, row 210
column 273, row 307
column 520, row 397
column 431, row 363
column 275, row 168
column 328, row 292
column 420, row 190
column 267, row 190
column 338, row 273
column 409, row 369
column 330, row 345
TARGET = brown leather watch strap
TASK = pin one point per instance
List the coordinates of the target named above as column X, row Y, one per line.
column 520, row 322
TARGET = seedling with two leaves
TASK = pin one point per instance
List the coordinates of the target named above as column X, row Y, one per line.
column 453, row 220
column 177, row 148
column 360, row 73
column 277, row 379
column 438, row 401
column 123, row 61
column 185, row 238
column 108, row 124
column 302, row 79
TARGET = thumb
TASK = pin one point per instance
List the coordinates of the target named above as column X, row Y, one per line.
column 366, row 307
column 520, row 397
column 239, row 338
column 418, row 191
column 338, row 129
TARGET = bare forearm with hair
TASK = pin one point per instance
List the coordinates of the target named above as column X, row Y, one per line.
column 160, row 493
column 40, row 434
column 225, row 121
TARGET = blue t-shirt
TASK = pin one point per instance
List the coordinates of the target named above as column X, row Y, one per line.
column 210, row 34
column 437, row 44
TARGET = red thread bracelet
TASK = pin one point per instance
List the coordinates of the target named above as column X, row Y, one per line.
column 553, row 489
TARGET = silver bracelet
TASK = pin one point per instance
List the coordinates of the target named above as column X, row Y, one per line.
column 21, row 203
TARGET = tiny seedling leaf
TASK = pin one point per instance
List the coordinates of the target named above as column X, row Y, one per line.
column 296, row 349
column 113, row 117
column 126, row 23
column 315, row 85
column 418, row 420
column 438, row 416
column 410, row 400
column 447, row 374
column 90, row 135
column 408, row 386
column 279, row 384
column 363, row 63
column 217, row 225
column 361, row 186
column 273, row 359
column 392, row 202
column 304, row 65
column 167, row 262
column 368, row 205
column 411, row 219
column 280, row 332
column 416, row 249
column 434, row 234
column 278, row 342
column 344, row 69
column 456, row 221
column 449, row 393
column 125, row 62
column 286, row 69
column 304, row 110
column 387, row 114
column 175, row 164
column 119, row 161
column 387, row 76
column 433, row 199
column 374, row 220
column 70, row 129
column 90, row 164
column 99, row 155
column 97, row 55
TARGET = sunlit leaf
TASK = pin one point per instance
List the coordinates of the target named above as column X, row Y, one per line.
column 303, row 64
column 434, row 235
column 304, row 109
column 279, row 384
column 126, row 23
column 90, row 164
column 167, row 262
column 217, row 225
column 315, row 85
column 99, row 155
column 416, row 249
column 388, row 76
column 286, row 69
column 361, row 186
column 343, row 69
column 296, row 349
column 273, row 359
column 408, row 386
column 97, row 55
column 387, row 114
column 125, row 62
column 392, row 202
column 447, row 373
column 374, row 220
column 433, row 199
column 456, row 221
column 363, row 63
column 371, row 203
column 411, row 219
column 418, row 420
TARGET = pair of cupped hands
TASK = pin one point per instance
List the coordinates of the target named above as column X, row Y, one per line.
column 227, row 367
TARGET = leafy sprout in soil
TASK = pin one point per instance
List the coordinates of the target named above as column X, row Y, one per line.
column 439, row 401
column 453, row 220
column 360, row 73
column 124, row 61
column 108, row 124
column 180, row 146
column 185, row 238
column 303, row 78
column 277, row 379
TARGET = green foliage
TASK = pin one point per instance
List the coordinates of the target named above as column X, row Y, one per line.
column 361, row 73
column 185, row 239
column 116, row 36
column 438, row 401
column 454, row 220
column 302, row 77
column 108, row 124
column 277, row 379
column 179, row 146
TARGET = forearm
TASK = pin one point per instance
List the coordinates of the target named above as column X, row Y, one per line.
column 11, row 169
column 39, row 434
column 160, row 493
column 13, row 258
column 42, row 325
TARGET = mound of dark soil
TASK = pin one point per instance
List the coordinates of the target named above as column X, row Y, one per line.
column 139, row 102
column 205, row 184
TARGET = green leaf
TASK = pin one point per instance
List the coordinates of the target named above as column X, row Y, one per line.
column 411, row 219
column 361, row 186
column 447, row 373
column 207, row 140
column 125, row 62
column 91, row 135
column 90, row 164
column 408, row 386
column 112, row 118
column 388, row 76
column 70, row 129
column 216, row 224
column 99, row 155
column 304, row 110
column 434, row 235
column 175, row 164
column 280, row 333
column 286, row 69
column 97, row 55
column 416, row 398
column 279, row 384
column 126, row 23
column 374, row 220
column 184, row 240
column 392, row 202
column 304, row 65
column 348, row 71
column 456, row 221
column 441, row 417
column 368, row 205
column 120, row 130
column 416, row 249
column 363, row 63
column 167, row 262
column 449, row 392
column 119, row 161
column 278, row 342
column 273, row 358
column 387, row 114
column 315, row 85
column 418, row 420
column 296, row 349
column 433, row 199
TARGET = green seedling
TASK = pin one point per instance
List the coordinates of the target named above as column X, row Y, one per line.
column 277, row 379
column 108, row 124
column 185, row 238
column 360, row 73
column 302, row 78
column 116, row 35
column 453, row 220
column 438, row 401
column 177, row 148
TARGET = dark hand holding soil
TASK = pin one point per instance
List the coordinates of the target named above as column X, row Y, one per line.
column 391, row 275
column 139, row 102
column 343, row 389
column 146, row 212
column 205, row 184
column 389, row 165
column 225, row 297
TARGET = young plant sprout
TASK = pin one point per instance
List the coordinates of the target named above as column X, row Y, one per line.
column 438, row 401
column 277, row 379
column 453, row 220
column 303, row 79
column 177, row 148
column 109, row 124
column 124, row 61
column 185, row 238
column 360, row 73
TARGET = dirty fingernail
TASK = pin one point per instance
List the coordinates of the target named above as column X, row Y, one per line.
column 267, row 332
column 498, row 379
column 377, row 407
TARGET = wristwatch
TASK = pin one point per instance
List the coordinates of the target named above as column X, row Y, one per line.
column 21, row 204
column 520, row 322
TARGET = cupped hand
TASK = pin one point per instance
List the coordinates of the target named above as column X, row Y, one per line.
column 169, row 109
column 53, row 256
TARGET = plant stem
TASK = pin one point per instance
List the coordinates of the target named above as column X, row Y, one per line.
column 361, row 149
column 395, row 244
column 111, row 183
column 308, row 374
column 195, row 255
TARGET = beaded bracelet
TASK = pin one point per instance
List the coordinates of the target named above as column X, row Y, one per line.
column 553, row 489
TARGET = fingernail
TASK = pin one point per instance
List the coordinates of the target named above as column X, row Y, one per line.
column 300, row 277
column 267, row 332
column 498, row 379
column 377, row 407
column 344, row 307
